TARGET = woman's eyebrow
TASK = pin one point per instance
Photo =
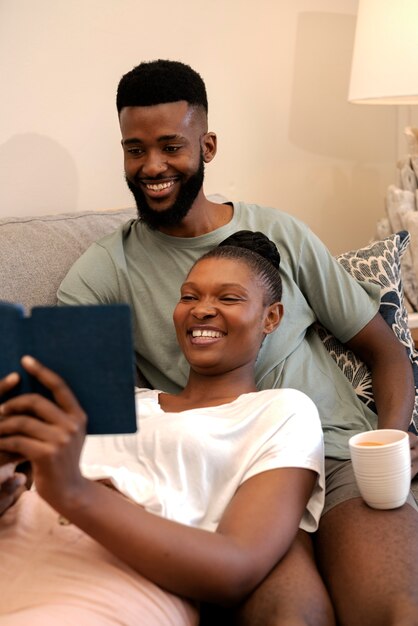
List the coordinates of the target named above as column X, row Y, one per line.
column 222, row 285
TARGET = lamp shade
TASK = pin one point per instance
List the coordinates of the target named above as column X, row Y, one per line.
column 385, row 58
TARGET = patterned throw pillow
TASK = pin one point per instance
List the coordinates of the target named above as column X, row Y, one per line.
column 378, row 263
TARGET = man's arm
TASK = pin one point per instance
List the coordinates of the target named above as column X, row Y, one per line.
column 392, row 377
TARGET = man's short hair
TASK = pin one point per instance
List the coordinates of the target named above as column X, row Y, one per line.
column 161, row 81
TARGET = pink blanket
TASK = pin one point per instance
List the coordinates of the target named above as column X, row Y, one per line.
column 55, row 574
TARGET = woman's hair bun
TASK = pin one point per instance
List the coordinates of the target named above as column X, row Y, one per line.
column 256, row 242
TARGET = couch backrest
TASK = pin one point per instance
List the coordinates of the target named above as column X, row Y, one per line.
column 37, row 251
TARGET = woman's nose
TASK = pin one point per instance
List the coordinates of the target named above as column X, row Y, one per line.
column 202, row 311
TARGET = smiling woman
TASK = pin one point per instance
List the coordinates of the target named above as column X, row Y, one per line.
column 225, row 311
column 220, row 482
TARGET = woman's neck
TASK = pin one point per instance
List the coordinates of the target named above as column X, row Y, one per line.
column 214, row 390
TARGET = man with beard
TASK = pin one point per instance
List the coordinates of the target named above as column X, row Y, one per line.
column 368, row 558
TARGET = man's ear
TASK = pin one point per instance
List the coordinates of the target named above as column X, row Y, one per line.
column 208, row 144
column 273, row 317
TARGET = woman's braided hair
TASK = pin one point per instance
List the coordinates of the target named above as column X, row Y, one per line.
column 261, row 256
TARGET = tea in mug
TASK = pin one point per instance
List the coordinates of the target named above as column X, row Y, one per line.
column 370, row 443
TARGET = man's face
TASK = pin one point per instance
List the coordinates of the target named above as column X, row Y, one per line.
column 164, row 161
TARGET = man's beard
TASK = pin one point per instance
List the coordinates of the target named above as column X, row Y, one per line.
column 174, row 215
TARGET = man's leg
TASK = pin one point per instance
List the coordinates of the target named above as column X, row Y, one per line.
column 369, row 562
column 292, row 595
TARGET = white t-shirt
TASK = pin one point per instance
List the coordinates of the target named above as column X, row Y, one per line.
column 187, row 466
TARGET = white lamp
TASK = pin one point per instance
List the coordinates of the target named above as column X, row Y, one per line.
column 385, row 59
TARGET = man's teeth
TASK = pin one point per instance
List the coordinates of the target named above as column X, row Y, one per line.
column 160, row 186
column 207, row 333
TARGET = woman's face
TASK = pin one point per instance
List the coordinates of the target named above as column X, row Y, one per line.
column 220, row 318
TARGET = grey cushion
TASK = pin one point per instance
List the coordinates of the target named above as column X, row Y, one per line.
column 36, row 252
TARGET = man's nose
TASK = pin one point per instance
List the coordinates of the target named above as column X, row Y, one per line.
column 153, row 164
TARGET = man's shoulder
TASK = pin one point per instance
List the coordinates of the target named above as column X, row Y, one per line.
column 119, row 235
column 267, row 214
column 278, row 225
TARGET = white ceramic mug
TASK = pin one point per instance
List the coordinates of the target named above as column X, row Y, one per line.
column 382, row 467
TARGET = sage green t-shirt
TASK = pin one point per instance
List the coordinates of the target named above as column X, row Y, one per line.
column 145, row 269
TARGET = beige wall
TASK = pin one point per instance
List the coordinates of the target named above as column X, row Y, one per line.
column 277, row 76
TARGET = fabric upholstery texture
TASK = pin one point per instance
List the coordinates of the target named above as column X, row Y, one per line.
column 410, row 223
column 402, row 216
column 36, row 252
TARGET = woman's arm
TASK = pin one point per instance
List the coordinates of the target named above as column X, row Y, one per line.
column 14, row 476
column 256, row 530
column 12, row 485
column 223, row 567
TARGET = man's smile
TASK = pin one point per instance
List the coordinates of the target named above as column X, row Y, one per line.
column 159, row 186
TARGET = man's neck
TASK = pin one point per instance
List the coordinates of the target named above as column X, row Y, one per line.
column 204, row 217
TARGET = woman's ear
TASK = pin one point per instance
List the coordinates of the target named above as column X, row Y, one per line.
column 208, row 144
column 273, row 317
